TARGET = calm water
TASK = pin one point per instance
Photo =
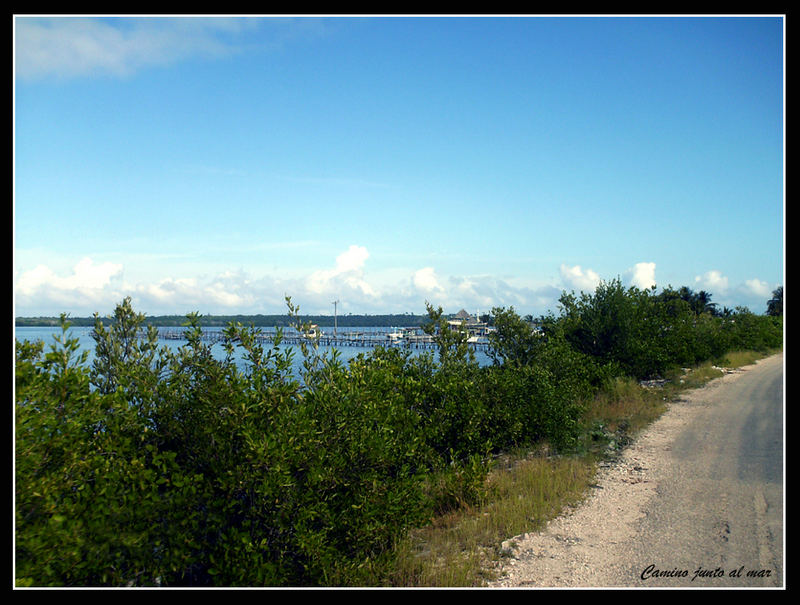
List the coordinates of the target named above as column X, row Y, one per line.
column 83, row 334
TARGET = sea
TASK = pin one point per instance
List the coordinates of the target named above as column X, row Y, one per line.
column 47, row 334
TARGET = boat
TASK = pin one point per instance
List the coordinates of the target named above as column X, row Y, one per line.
column 395, row 336
column 312, row 332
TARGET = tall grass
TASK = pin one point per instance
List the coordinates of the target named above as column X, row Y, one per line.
column 460, row 548
column 622, row 404
column 738, row 359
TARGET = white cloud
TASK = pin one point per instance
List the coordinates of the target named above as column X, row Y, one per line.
column 169, row 291
column 79, row 46
column 226, row 292
column 90, row 286
column 643, row 275
column 482, row 292
column 756, row 287
column 713, row 281
column 87, row 281
column 347, row 274
column 578, row 279
column 478, row 293
column 425, row 279
column 93, row 287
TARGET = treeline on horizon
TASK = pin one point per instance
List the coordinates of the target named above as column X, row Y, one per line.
column 396, row 320
column 162, row 467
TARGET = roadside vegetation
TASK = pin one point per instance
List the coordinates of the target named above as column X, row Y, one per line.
column 154, row 467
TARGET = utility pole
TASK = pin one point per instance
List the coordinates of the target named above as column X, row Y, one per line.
column 334, row 303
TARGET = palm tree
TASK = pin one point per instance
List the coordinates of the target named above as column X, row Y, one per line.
column 775, row 304
column 702, row 303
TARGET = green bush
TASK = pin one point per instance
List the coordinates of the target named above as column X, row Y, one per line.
column 645, row 335
column 179, row 469
column 175, row 468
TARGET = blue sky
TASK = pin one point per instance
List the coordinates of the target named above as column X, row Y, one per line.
column 219, row 164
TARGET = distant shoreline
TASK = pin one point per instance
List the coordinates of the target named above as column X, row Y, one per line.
column 404, row 320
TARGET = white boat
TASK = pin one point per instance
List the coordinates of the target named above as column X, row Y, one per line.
column 395, row 336
column 312, row 332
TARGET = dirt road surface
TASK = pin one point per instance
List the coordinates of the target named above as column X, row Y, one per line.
column 696, row 501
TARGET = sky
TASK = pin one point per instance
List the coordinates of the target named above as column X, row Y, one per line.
column 219, row 164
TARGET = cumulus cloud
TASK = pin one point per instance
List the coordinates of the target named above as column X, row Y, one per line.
column 222, row 293
column 347, row 274
column 482, row 292
column 93, row 286
column 478, row 293
column 86, row 277
column 88, row 284
column 643, row 275
column 579, row 279
column 712, row 281
column 756, row 287
column 426, row 280
column 98, row 287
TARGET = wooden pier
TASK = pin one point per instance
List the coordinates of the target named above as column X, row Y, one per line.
column 339, row 340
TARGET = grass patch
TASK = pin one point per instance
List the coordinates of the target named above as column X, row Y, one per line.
column 738, row 359
column 523, row 493
column 693, row 378
column 623, row 404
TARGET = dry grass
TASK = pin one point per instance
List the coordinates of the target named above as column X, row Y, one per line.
column 697, row 377
column 738, row 359
column 624, row 405
column 523, row 493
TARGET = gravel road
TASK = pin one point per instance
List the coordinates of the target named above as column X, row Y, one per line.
column 695, row 501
